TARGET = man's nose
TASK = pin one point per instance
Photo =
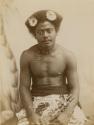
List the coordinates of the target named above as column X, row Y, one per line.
column 46, row 34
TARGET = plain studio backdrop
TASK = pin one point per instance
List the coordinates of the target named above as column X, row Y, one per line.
column 76, row 34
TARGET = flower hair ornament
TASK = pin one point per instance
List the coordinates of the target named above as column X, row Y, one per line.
column 51, row 15
column 33, row 21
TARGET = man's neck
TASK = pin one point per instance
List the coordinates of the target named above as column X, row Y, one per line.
column 46, row 50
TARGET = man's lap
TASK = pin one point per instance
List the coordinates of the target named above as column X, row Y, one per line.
column 50, row 107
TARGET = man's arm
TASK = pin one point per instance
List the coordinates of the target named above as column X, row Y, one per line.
column 73, row 83
column 72, row 78
column 25, row 82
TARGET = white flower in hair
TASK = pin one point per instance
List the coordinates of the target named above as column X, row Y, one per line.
column 51, row 15
column 33, row 21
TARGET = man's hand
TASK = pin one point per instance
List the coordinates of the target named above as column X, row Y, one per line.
column 64, row 118
column 34, row 120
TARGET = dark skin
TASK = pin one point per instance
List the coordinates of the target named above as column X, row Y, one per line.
column 48, row 64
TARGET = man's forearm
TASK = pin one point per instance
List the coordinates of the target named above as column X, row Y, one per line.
column 26, row 99
column 74, row 99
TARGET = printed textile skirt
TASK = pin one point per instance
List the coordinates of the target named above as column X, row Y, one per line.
column 51, row 106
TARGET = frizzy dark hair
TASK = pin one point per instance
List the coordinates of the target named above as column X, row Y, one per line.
column 41, row 17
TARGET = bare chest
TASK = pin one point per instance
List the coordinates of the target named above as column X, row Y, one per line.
column 47, row 65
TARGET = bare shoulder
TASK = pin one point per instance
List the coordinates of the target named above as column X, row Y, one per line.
column 27, row 54
column 69, row 57
column 71, row 62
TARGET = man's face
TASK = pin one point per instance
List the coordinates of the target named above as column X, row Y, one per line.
column 45, row 34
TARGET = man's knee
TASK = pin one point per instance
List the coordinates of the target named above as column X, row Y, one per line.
column 78, row 117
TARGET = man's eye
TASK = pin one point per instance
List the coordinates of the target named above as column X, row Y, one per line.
column 40, row 32
column 49, row 30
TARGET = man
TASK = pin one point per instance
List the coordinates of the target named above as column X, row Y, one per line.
column 53, row 96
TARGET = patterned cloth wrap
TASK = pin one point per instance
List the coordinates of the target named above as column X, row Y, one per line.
column 51, row 106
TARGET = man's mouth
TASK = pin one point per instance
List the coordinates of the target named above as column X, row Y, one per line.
column 46, row 41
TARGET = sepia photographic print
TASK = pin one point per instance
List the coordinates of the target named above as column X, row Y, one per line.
column 46, row 62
